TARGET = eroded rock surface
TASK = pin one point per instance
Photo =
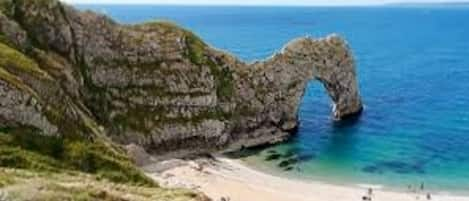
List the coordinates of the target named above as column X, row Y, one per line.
column 157, row 85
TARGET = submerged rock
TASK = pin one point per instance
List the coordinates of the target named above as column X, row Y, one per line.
column 288, row 169
column 272, row 157
column 396, row 167
column 283, row 164
column 290, row 153
column 272, row 152
column 155, row 84
column 305, row 157
column 288, row 162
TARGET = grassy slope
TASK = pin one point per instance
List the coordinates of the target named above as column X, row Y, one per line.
column 34, row 166
column 41, row 168
column 19, row 184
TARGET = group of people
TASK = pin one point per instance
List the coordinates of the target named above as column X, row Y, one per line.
column 428, row 196
column 417, row 191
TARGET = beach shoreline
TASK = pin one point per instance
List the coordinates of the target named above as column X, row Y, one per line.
column 233, row 180
column 256, row 165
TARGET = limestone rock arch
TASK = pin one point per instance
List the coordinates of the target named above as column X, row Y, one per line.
column 328, row 60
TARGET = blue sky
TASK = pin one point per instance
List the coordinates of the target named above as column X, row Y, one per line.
column 257, row 2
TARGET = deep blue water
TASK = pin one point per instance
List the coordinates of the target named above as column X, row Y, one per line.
column 413, row 67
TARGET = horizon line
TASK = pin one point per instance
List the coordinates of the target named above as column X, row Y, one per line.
column 274, row 5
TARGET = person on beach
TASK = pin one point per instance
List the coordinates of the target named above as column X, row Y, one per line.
column 429, row 196
column 369, row 196
column 370, row 192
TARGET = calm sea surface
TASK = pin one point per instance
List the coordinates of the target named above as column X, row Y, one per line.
column 413, row 67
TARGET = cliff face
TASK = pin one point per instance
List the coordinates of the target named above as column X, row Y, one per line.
column 65, row 72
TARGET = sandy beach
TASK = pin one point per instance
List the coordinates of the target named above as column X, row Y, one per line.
column 231, row 179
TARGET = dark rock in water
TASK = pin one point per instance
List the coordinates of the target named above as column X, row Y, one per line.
column 292, row 160
column 420, row 171
column 273, row 157
column 284, row 164
column 242, row 153
column 394, row 164
column 305, row 157
column 290, row 153
column 400, row 167
column 370, row 169
column 396, row 167
column 288, row 162
column 288, row 168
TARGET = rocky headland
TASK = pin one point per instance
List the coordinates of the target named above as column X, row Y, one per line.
column 78, row 87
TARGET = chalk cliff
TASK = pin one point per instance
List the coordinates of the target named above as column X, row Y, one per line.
column 65, row 72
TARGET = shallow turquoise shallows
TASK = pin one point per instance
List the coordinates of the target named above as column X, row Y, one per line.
column 413, row 67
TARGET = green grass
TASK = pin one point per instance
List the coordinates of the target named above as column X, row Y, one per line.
column 24, row 148
column 5, row 7
column 196, row 48
column 5, row 181
column 224, row 81
column 197, row 54
column 223, row 76
column 4, row 39
column 13, row 59
column 58, row 186
column 15, row 81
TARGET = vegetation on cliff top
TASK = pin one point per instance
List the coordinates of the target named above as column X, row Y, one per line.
column 197, row 52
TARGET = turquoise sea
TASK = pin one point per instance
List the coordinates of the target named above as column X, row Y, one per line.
column 413, row 67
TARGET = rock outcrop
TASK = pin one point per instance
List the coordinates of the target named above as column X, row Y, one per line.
column 156, row 85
